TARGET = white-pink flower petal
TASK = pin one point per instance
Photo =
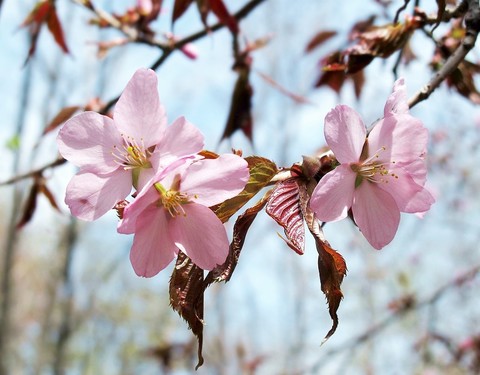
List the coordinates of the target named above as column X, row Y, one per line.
column 397, row 102
column 90, row 196
column 153, row 249
column 200, row 235
column 87, row 140
column 333, row 195
column 133, row 211
column 376, row 214
column 212, row 181
column 181, row 139
column 409, row 196
column 345, row 133
column 139, row 113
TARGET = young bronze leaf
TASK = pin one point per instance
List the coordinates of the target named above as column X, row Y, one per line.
column 55, row 27
column 331, row 265
column 379, row 41
column 261, row 172
column 224, row 271
column 240, row 116
column 48, row 194
column 221, row 11
column 284, row 207
column 319, row 39
column 186, row 297
column 30, row 203
column 179, row 8
column 44, row 12
column 62, row 116
column 332, row 269
column 35, row 20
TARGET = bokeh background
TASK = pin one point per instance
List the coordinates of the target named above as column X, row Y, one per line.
column 77, row 307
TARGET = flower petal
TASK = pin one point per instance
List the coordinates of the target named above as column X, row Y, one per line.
column 376, row 214
column 90, row 196
column 409, row 196
column 333, row 195
column 397, row 102
column 134, row 210
column 181, row 139
column 345, row 133
column 201, row 235
column 212, row 181
column 153, row 248
column 87, row 140
column 399, row 138
column 139, row 113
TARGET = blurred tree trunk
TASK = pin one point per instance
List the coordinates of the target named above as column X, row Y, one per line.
column 10, row 243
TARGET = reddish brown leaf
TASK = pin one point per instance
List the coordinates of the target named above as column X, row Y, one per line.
column 30, row 203
column 332, row 79
column 38, row 14
column 463, row 80
column 240, row 116
column 358, row 79
column 62, row 116
column 284, row 207
column 224, row 271
column 221, row 11
column 44, row 12
column 53, row 24
column 332, row 269
column 179, row 8
column 331, row 265
column 186, row 297
column 360, row 27
column 379, row 41
column 48, row 194
column 319, row 39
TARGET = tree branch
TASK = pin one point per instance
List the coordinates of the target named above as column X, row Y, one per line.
column 53, row 164
column 168, row 49
column 472, row 23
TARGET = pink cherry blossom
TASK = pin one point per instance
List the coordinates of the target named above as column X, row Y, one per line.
column 114, row 154
column 172, row 214
column 380, row 175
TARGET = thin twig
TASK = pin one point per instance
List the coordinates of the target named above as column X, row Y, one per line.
column 375, row 329
column 472, row 23
column 167, row 50
column 35, row 172
column 402, row 8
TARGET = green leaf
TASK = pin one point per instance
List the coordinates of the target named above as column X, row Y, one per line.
column 261, row 172
column 13, row 144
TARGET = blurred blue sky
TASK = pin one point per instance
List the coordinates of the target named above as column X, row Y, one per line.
column 273, row 305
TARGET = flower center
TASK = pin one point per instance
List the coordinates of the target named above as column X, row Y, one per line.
column 172, row 200
column 132, row 155
column 373, row 170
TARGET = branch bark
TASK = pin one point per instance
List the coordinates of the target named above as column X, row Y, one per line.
column 472, row 23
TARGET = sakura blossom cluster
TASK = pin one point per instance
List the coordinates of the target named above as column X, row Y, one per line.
column 174, row 186
column 381, row 173
column 377, row 175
